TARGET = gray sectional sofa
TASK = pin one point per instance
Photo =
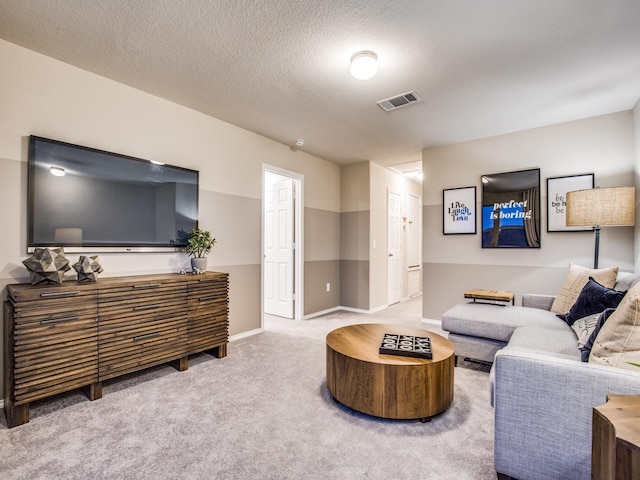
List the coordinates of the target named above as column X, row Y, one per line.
column 542, row 393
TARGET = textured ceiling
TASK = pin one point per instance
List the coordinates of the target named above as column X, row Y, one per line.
column 281, row 68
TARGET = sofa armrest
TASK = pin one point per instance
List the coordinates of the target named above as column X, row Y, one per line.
column 543, row 302
column 543, row 412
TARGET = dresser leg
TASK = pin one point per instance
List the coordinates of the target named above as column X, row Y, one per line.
column 93, row 391
column 220, row 351
column 181, row 364
column 16, row 414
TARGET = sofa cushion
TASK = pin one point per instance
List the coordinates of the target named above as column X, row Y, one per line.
column 593, row 298
column 585, row 350
column 626, row 280
column 540, row 339
column 577, row 277
column 495, row 321
column 618, row 342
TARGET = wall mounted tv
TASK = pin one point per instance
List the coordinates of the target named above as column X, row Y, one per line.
column 89, row 200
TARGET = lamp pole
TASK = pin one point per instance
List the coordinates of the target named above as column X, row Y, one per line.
column 595, row 257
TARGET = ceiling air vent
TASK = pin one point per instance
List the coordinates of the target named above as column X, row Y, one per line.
column 399, row 101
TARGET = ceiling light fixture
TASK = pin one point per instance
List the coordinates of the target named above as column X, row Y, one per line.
column 299, row 142
column 57, row 171
column 364, row 65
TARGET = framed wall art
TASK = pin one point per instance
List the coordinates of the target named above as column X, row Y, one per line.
column 459, row 211
column 557, row 188
column 511, row 209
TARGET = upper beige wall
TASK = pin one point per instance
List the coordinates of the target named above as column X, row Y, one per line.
column 42, row 96
column 354, row 190
column 603, row 145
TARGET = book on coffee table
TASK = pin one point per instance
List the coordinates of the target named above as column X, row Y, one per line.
column 406, row 345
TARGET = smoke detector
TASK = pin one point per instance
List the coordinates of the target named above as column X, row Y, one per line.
column 399, row 101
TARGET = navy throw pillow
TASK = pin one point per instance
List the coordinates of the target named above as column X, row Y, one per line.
column 593, row 298
column 586, row 350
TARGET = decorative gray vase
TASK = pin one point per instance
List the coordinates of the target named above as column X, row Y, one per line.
column 199, row 265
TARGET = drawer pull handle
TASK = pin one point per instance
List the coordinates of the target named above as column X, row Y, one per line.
column 148, row 285
column 208, row 297
column 59, row 320
column 147, row 335
column 207, row 279
column 59, row 294
column 145, row 307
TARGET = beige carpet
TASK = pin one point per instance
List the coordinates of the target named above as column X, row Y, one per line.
column 263, row 412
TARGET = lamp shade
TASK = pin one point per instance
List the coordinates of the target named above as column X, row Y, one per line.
column 601, row 207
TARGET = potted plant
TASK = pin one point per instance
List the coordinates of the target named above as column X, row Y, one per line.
column 198, row 246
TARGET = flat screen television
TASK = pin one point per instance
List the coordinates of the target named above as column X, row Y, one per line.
column 89, row 200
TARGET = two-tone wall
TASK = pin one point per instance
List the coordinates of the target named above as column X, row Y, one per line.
column 364, row 252
column 452, row 264
column 42, row 96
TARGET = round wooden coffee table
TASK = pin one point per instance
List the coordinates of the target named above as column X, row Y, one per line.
column 389, row 386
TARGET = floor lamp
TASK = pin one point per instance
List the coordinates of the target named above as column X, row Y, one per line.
column 600, row 207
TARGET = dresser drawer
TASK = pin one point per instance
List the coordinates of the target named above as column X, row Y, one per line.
column 141, row 325
column 129, row 350
column 50, row 297
column 54, row 354
column 208, row 313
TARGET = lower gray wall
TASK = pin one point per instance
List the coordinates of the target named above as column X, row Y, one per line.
column 354, row 284
column 444, row 284
column 316, row 276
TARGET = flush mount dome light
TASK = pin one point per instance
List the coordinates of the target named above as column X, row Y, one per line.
column 364, row 65
column 57, row 171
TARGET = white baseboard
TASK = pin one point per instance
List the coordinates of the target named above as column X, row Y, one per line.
column 250, row 333
column 321, row 312
column 432, row 321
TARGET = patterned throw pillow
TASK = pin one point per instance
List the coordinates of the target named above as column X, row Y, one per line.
column 577, row 277
column 593, row 298
column 584, row 327
column 600, row 319
column 618, row 342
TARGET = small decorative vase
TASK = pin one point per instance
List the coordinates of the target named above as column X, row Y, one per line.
column 199, row 265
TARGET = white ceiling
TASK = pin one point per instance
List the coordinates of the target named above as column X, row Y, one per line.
column 281, row 67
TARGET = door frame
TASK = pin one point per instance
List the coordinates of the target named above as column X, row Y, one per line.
column 400, row 231
column 298, row 238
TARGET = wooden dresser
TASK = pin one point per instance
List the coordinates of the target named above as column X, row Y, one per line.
column 75, row 335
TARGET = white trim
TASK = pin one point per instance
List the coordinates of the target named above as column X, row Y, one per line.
column 345, row 309
column 242, row 335
column 322, row 312
column 432, row 321
column 298, row 179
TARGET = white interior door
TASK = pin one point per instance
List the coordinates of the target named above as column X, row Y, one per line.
column 394, row 232
column 278, row 245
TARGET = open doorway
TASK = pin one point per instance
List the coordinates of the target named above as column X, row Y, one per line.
column 282, row 266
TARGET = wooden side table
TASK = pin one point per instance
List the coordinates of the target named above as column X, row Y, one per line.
column 616, row 439
column 492, row 296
